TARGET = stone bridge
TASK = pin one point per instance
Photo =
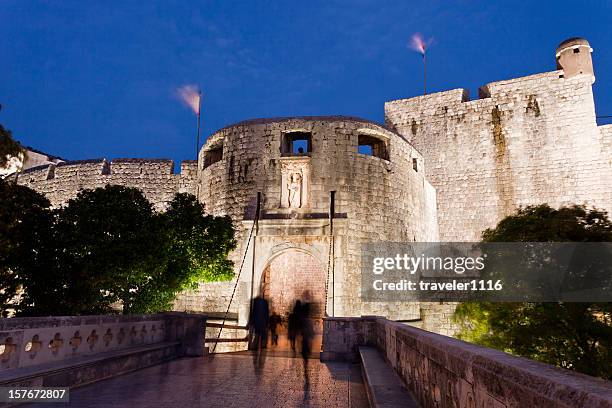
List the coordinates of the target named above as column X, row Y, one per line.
column 160, row 361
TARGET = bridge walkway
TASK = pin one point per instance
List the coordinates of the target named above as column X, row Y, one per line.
column 228, row 380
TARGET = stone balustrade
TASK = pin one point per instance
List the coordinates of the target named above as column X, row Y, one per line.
column 442, row 371
column 34, row 350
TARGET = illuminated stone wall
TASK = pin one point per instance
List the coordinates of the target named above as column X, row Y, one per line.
column 526, row 141
column 155, row 178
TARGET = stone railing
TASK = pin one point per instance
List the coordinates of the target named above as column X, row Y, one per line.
column 34, row 350
column 444, row 372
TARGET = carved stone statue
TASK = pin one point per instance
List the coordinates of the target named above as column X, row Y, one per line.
column 295, row 173
column 294, row 188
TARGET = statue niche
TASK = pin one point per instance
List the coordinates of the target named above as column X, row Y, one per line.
column 294, row 182
column 295, row 190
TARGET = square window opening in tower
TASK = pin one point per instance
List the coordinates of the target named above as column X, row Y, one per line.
column 212, row 156
column 296, row 144
column 373, row 146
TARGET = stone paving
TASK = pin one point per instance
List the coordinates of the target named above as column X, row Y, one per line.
column 228, row 380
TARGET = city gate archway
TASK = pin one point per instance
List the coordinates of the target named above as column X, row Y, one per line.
column 293, row 275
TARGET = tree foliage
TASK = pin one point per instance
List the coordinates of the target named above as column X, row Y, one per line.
column 8, row 146
column 576, row 336
column 107, row 247
column 195, row 247
column 25, row 226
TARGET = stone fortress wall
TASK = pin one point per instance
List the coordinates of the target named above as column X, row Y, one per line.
column 154, row 177
column 528, row 140
column 375, row 199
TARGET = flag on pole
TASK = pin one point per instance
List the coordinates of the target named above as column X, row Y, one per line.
column 192, row 98
column 418, row 44
column 190, row 95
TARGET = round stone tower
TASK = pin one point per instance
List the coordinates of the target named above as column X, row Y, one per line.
column 574, row 58
column 368, row 177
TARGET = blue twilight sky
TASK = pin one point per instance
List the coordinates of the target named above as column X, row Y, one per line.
column 87, row 79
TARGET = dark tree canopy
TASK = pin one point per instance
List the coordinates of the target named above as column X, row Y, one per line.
column 108, row 248
column 576, row 336
column 545, row 224
column 25, row 236
column 8, row 146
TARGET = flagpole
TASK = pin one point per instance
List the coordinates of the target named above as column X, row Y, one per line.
column 424, row 73
column 198, row 129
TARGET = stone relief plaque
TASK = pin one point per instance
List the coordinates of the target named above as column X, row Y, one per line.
column 295, row 175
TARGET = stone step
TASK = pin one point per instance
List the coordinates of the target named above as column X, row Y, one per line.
column 383, row 386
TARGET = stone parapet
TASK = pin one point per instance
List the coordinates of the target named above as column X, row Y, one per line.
column 443, row 371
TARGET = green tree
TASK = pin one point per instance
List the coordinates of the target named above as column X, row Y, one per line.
column 25, row 236
column 105, row 248
column 8, row 146
column 576, row 336
column 196, row 247
column 104, row 242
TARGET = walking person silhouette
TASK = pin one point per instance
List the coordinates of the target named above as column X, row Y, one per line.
column 275, row 322
column 258, row 330
column 306, row 330
column 293, row 324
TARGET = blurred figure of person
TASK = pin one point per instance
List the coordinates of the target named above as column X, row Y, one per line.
column 258, row 330
column 275, row 321
column 307, row 333
column 293, row 324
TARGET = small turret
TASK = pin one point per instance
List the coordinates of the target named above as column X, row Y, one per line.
column 574, row 58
